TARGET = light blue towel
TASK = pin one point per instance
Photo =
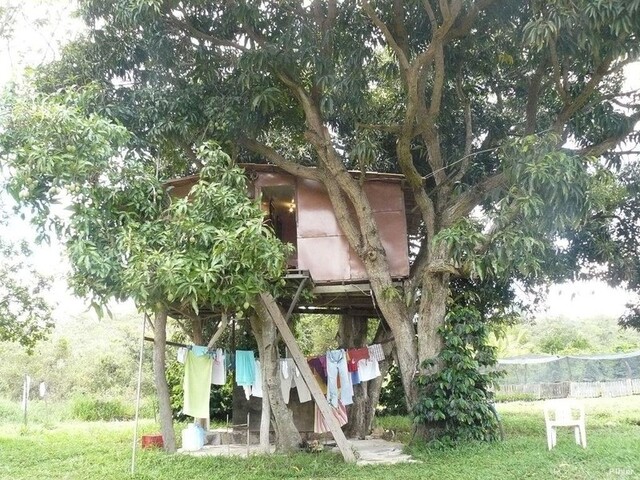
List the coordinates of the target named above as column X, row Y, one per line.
column 245, row 367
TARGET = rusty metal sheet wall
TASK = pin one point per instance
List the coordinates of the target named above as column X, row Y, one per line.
column 317, row 220
column 326, row 258
column 384, row 196
column 315, row 212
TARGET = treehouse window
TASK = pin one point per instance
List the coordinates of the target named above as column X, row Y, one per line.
column 279, row 204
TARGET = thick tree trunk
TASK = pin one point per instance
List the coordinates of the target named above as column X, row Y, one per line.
column 431, row 314
column 403, row 329
column 287, row 436
column 352, row 333
column 160, row 376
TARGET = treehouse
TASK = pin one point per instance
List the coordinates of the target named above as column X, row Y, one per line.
column 300, row 212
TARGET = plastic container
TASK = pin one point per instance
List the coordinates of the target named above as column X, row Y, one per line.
column 192, row 438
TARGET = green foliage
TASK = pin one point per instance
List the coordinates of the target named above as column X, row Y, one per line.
column 548, row 196
column 90, row 409
column 567, row 336
column 454, row 398
column 392, row 400
column 125, row 236
column 557, row 341
column 316, row 333
column 25, row 314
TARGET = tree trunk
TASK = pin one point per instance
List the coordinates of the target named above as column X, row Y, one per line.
column 352, row 333
column 431, row 314
column 374, row 386
column 160, row 376
column 288, row 438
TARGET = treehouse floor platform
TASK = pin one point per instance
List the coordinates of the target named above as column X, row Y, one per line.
column 373, row 451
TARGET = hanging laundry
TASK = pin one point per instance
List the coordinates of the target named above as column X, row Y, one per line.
column 197, row 384
column 368, row 370
column 182, row 353
column 319, row 366
column 354, row 356
column 319, row 425
column 256, row 388
column 337, row 367
column 199, row 351
column 355, row 378
column 376, row 352
column 286, row 377
column 304, row 395
column 245, row 367
column 219, row 370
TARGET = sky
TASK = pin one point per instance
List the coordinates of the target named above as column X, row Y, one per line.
column 34, row 46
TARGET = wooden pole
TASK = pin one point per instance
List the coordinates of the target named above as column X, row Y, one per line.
column 305, row 371
column 137, row 416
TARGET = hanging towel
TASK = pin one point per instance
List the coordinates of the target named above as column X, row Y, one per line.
column 199, row 351
column 245, row 367
column 197, row 385
column 287, row 372
column 219, row 370
column 256, row 388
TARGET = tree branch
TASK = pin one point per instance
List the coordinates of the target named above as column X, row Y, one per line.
column 278, row 160
column 578, row 102
column 402, row 59
column 195, row 33
column 533, row 97
column 611, row 142
column 224, row 321
column 557, row 74
column 472, row 197
column 395, row 128
column 468, row 125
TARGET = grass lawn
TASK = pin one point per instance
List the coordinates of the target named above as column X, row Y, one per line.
column 102, row 451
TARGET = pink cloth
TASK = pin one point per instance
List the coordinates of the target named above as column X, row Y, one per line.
column 340, row 413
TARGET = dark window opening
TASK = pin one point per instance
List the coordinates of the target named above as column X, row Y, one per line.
column 279, row 204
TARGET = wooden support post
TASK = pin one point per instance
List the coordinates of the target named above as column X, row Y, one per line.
column 301, row 362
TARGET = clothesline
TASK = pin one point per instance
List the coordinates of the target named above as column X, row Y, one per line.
column 172, row 344
column 184, row 345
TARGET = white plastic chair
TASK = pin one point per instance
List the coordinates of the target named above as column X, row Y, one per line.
column 565, row 413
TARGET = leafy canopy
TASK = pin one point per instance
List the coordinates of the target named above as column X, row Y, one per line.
column 126, row 236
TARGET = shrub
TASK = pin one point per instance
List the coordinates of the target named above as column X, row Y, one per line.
column 92, row 409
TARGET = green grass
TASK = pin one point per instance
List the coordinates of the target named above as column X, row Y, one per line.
column 87, row 450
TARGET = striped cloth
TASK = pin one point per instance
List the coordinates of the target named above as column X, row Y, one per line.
column 340, row 413
column 375, row 352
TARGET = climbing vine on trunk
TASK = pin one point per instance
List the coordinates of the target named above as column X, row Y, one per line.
column 454, row 400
